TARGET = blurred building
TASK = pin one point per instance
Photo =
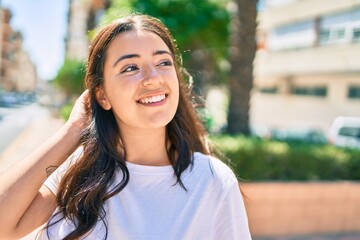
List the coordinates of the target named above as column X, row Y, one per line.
column 17, row 71
column 83, row 16
column 24, row 72
column 307, row 67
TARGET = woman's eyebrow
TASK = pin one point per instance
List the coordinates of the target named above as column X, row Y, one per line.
column 126, row 56
column 160, row 52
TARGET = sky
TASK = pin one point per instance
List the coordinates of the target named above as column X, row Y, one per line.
column 43, row 26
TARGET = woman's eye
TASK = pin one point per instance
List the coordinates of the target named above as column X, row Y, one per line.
column 130, row 68
column 165, row 63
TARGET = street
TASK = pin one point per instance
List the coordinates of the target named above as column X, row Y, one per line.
column 14, row 120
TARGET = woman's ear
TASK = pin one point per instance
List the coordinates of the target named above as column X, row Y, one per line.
column 101, row 98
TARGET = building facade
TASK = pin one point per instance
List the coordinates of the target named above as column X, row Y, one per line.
column 307, row 67
column 17, row 71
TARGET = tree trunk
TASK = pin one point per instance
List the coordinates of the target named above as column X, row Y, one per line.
column 242, row 53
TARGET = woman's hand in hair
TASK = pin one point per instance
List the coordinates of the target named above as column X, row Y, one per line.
column 80, row 113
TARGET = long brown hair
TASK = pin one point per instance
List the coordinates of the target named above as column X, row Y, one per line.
column 86, row 185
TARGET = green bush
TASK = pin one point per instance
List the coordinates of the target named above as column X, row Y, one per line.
column 254, row 159
column 70, row 77
column 65, row 110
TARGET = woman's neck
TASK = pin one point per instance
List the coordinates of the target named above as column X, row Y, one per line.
column 146, row 146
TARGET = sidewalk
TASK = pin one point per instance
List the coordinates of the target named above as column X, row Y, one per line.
column 29, row 139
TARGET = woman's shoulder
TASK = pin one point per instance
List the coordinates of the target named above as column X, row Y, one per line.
column 216, row 169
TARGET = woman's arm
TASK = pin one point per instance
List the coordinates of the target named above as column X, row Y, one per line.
column 24, row 203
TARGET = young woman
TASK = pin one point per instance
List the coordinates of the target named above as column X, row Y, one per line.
column 141, row 170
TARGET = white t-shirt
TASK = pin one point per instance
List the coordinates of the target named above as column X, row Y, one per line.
column 151, row 207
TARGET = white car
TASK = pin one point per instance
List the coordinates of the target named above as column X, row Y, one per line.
column 345, row 132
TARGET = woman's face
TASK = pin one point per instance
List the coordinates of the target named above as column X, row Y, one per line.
column 140, row 82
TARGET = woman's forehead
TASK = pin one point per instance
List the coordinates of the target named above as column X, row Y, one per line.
column 137, row 41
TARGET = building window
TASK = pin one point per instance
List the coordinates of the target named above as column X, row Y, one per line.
column 338, row 34
column 324, row 35
column 340, row 28
column 333, row 35
column 10, row 55
column 293, row 36
column 310, row 91
column 268, row 90
column 354, row 92
column 356, row 34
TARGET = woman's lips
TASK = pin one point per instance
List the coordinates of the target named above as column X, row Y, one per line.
column 155, row 100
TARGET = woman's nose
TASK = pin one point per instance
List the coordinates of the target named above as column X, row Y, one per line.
column 152, row 76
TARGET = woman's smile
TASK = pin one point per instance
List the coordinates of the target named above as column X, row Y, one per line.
column 153, row 101
column 153, row 98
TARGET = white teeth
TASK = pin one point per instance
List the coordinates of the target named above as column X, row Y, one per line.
column 153, row 99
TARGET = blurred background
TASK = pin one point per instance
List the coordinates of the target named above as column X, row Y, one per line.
column 279, row 82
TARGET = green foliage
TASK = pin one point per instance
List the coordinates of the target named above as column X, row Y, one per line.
column 70, row 77
column 200, row 26
column 206, row 118
column 65, row 110
column 201, row 23
column 260, row 160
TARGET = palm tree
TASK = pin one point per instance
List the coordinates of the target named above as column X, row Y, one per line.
column 242, row 53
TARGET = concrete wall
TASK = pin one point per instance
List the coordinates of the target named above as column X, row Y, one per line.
column 285, row 110
column 285, row 209
column 336, row 58
column 303, row 9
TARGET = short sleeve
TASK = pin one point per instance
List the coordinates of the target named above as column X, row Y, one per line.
column 231, row 219
column 53, row 181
